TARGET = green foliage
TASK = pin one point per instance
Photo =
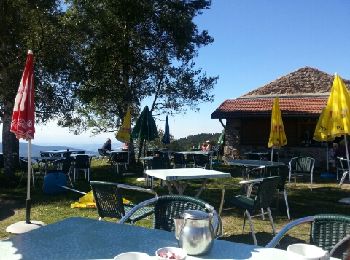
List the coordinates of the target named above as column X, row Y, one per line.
column 193, row 141
column 36, row 26
column 133, row 49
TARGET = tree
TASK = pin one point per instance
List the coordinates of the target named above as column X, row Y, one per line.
column 34, row 25
column 136, row 49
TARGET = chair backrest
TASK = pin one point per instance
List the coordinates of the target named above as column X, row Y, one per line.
column 109, row 197
column 266, row 189
column 120, row 157
column 179, row 159
column 160, row 163
column 190, row 159
column 82, row 161
column 66, row 164
column 342, row 163
column 109, row 200
column 302, row 164
column 282, row 172
column 173, row 206
column 328, row 229
column 201, row 160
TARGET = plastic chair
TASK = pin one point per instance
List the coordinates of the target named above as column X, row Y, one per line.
column 328, row 231
column 340, row 164
column 201, row 160
column 252, row 206
column 190, row 160
column 344, row 168
column 282, row 171
column 81, row 162
column 158, row 163
column 109, row 200
column 168, row 207
column 179, row 160
column 301, row 166
column 120, row 158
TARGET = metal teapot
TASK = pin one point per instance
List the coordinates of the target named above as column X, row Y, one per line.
column 196, row 233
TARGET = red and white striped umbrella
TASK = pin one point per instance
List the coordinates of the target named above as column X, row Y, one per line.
column 22, row 124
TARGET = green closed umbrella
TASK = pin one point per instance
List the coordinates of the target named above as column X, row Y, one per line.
column 166, row 136
column 145, row 128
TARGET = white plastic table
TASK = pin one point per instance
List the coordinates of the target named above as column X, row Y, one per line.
column 82, row 238
column 175, row 176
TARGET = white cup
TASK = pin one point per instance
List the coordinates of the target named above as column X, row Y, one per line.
column 306, row 252
column 132, row 256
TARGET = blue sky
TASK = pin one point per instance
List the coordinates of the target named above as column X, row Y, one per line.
column 255, row 42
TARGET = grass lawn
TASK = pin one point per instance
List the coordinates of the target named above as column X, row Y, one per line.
column 302, row 202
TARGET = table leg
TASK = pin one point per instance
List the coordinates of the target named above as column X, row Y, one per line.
column 168, row 183
column 204, row 183
column 180, row 187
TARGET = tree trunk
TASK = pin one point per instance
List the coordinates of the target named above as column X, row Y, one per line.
column 10, row 144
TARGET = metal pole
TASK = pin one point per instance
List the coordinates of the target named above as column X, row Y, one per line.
column 272, row 154
column 28, row 201
column 347, row 153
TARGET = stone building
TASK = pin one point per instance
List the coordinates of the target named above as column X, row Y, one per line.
column 302, row 96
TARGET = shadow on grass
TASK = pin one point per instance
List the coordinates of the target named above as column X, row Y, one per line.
column 8, row 206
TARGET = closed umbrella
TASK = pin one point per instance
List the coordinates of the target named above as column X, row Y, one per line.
column 145, row 128
column 22, row 125
column 334, row 121
column 123, row 134
column 277, row 137
column 166, row 136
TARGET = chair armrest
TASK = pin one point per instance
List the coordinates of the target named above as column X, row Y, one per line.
column 286, row 228
column 137, row 188
column 136, row 208
column 250, row 185
column 254, row 181
column 340, row 243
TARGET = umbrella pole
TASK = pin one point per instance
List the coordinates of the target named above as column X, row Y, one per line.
column 28, row 201
column 347, row 152
column 272, row 154
column 327, row 159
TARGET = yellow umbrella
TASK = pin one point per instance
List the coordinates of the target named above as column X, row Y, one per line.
column 123, row 134
column 277, row 135
column 334, row 120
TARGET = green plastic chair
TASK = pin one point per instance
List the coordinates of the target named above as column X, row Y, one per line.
column 109, row 200
column 255, row 205
column 168, row 207
column 328, row 231
column 301, row 166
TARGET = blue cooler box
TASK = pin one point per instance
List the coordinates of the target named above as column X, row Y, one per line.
column 53, row 182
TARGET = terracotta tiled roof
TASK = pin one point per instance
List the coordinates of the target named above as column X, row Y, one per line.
column 262, row 106
column 303, row 80
column 302, row 92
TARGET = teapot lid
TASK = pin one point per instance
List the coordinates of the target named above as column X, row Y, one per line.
column 195, row 214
